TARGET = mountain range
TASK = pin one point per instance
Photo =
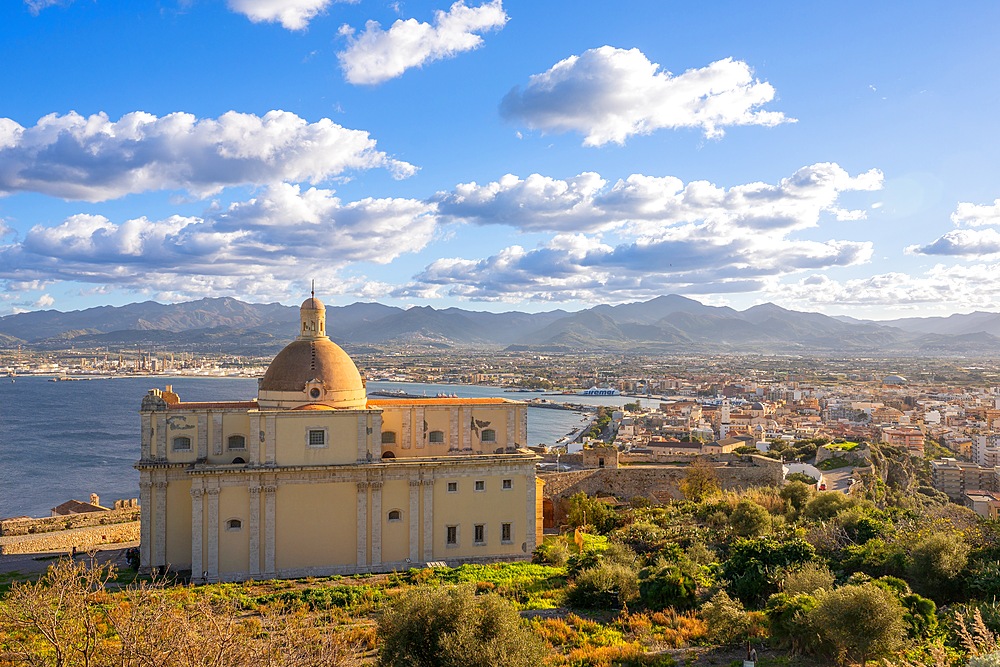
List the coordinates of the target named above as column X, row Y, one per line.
column 666, row 325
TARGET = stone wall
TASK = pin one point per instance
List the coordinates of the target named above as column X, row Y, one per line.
column 59, row 523
column 654, row 482
column 64, row 540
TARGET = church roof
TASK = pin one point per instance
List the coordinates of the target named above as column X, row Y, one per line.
column 316, row 359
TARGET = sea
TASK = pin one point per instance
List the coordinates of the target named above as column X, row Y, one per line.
column 66, row 440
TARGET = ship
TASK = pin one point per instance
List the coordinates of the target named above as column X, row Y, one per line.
column 600, row 391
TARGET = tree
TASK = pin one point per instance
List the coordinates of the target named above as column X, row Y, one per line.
column 797, row 494
column 809, row 578
column 754, row 566
column 608, row 585
column 935, row 562
column 750, row 519
column 700, row 481
column 826, row 505
column 667, row 586
column 452, row 627
column 790, row 624
column 862, row 622
column 583, row 510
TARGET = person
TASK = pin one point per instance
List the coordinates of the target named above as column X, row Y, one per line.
column 753, row 656
column 72, row 552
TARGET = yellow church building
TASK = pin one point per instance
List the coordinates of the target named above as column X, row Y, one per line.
column 313, row 478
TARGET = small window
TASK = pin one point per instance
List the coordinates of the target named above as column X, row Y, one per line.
column 388, row 437
column 182, row 444
column 239, row 460
column 505, row 533
column 489, row 435
column 314, row 393
column 508, row 484
column 480, row 485
column 452, row 487
column 451, row 536
column 234, row 524
column 436, row 437
column 395, row 515
column 388, row 455
column 317, row 438
column 237, row 442
column 479, row 534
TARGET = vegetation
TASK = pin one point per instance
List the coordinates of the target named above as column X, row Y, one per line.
column 893, row 575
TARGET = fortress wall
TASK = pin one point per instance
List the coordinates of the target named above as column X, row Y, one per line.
column 64, row 540
column 660, row 482
column 57, row 523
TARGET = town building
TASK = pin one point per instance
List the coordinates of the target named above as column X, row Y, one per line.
column 312, row 478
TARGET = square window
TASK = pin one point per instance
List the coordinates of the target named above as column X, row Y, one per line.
column 436, row 437
column 480, row 485
column 479, row 534
column 182, row 444
column 452, row 487
column 505, row 533
column 451, row 536
column 508, row 484
column 317, row 438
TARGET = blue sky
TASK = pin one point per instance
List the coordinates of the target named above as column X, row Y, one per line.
column 501, row 155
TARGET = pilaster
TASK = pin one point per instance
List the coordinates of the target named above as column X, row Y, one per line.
column 145, row 523
column 362, row 437
column 466, row 420
column 197, row 530
column 254, row 531
column 428, row 519
column 531, row 527
column 362, row 508
column 269, row 440
column 419, row 428
column 213, row 534
column 256, row 441
column 453, row 432
column 414, row 521
column 202, row 436
column 146, row 435
column 160, row 523
column 511, row 436
column 269, row 512
column 377, row 520
column 217, row 434
column 161, row 436
column 406, row 436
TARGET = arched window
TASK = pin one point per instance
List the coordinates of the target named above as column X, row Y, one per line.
column 388, row 437
column 237, row 442
column 182, row 443
column 388, row 455
column 234, row 524
column 239, row 460
column 489, row 435
column 436, row 437
column 395, row 515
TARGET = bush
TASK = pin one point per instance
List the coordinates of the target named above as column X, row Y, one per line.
column 808, row 579
column 750, row 519
column 801, row 477
column 729, row 623
column 863, row 622
column 667, row 586
column 451, row 627
column 606, row 586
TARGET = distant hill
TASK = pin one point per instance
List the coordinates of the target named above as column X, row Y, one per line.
column 666, row 324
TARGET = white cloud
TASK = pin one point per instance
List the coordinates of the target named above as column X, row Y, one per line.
column 255, row 247
column 961, row 242
column 377, row 55
column 292, row 14
column 975, row 215
column 43, row 301
column 671, row 237
column 610, row 94
column 648, row 204
column 93, row 158
column 36, row 6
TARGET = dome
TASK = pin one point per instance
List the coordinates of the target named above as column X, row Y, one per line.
column 757, row 406
column 312, row 369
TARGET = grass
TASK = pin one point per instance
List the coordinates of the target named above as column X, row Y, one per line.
column 834, row 463
column 842, row 446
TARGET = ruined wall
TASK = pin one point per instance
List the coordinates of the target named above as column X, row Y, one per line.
column 57, row 523
column 654, row 482
column 64, row 540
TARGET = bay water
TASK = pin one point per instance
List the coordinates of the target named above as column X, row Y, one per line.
column 63, row 440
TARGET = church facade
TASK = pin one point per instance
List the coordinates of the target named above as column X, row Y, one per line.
column 313, row 478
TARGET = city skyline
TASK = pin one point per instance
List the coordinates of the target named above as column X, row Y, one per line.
column 499, row 155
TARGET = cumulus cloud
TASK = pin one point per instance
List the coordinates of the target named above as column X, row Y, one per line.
column 670, row 237
column 965, row 286
column 292, row 14
column 961, row 242
column 967, row 242
column 649, row 203
column 94, row 158
column 975, row 215
column 610, row 94
column 254, row 247
column 376, row 55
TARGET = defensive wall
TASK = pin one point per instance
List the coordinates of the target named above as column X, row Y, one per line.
column 653, row 482
column 11, row 527
column 64, row 540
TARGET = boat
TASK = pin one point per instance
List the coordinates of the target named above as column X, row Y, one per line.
column 599, row 391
